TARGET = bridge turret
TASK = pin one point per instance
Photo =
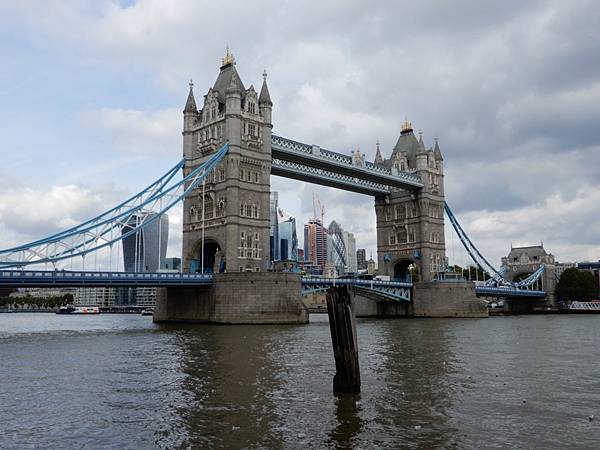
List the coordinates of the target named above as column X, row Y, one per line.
column 233, row 109
column 437, row 153
column 410, row 225
column 266, row 110
column 378, row 158
column 190, row 117
column 234, row 227
column 422, row 158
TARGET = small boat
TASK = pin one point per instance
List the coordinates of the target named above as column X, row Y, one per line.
column 147, row 312
column 70, row 309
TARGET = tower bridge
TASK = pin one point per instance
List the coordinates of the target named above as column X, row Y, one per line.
column 229, row 154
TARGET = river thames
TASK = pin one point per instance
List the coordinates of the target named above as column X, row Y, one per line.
column 120, row 381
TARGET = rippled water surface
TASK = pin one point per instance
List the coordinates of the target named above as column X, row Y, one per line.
column 119, row 381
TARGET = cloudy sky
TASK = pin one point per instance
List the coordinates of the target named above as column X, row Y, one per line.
column 91, row 95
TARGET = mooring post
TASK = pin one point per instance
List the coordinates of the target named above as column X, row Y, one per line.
column 343, row 337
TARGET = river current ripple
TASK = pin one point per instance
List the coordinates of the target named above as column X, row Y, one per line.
column 122, row 382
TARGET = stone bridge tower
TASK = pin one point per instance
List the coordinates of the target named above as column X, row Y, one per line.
column 410, row 225
column 234, row 223
column 523, row 261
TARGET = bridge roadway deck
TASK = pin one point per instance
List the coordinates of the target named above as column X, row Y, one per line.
column 311, row 163
column 508, row 292
column 51, row 278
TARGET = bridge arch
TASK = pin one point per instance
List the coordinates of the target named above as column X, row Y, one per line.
column 214, row 258
column 402, row 268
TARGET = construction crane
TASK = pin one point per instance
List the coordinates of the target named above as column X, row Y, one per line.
column 317, row 200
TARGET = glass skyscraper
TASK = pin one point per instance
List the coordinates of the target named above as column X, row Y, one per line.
column 143, row 251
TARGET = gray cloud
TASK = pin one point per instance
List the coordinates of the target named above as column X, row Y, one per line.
column 511, row 89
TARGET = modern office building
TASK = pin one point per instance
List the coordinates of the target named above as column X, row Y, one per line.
column 341, row 249
column 315, row 244
column 171, row 264
column 336, row 247
column 283, row 237
column 97, row 296
column 361, row 259
column 350, row 245
column 274, row 227
column 288, row 239
column 143, row 251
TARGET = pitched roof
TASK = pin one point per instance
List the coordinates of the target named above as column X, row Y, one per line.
column 534, row 250
column 407, row 142
column 228, row 77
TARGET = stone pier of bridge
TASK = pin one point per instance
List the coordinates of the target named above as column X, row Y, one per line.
column 236, row 298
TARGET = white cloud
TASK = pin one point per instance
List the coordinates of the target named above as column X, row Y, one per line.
column 569, row 228
column 27, row 214
column 140, row 132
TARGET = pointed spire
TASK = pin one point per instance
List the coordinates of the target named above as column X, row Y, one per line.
column 265, row 97
column 190, row 104
column 421, row 147
column 437, row 153
column 378, row 157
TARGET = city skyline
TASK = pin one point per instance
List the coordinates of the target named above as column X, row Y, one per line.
column 515, row 119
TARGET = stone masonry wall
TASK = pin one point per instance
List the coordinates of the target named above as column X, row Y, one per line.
column 236, row 298
column 456, row 299
column 260, row 297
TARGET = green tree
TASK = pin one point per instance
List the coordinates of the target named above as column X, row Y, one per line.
column 576, row 285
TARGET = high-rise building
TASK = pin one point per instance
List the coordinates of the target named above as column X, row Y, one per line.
column 341, row 249
column 171, row 264
column 283, row 237
column 143, row 250
column 288, row 239
column 336, row 247
column 97, row 296
column 274, row 229
column 350, row 245
column 361, row 259
column 315, row 244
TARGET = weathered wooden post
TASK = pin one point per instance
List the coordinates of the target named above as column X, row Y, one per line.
column 343, row 337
